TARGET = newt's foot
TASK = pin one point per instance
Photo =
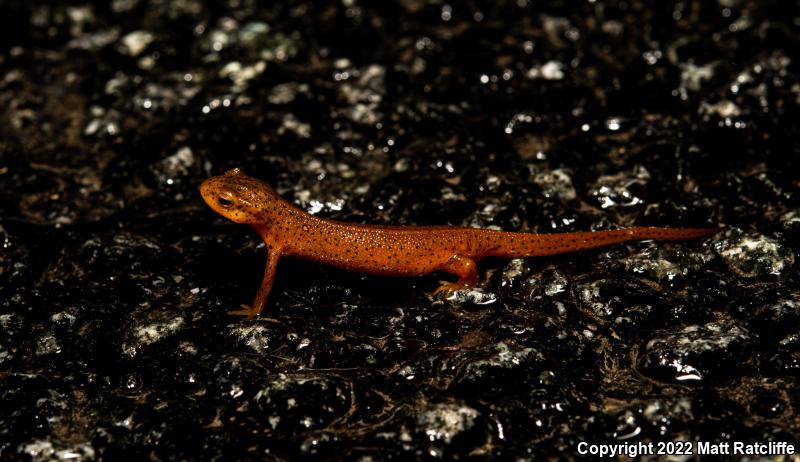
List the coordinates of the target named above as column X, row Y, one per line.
column 448, row 289
column 246, row 310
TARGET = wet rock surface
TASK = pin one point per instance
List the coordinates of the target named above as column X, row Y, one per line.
column 522, row 116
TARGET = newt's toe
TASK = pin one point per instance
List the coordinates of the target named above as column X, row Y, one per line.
column 245, row 311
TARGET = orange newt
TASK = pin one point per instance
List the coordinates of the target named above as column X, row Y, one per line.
column 391, row 250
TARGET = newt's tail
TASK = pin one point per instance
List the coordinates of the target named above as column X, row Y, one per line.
column 536, row 245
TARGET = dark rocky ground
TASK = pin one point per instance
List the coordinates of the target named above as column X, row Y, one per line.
column 528, row 116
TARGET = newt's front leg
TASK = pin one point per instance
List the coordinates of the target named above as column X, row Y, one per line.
column 273, row 254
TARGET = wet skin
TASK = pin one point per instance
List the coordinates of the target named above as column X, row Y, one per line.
column 391, row 250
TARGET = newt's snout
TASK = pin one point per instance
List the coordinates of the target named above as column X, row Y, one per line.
column 221, row 198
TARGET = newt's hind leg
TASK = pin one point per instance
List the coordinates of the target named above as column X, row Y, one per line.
column 466, row 270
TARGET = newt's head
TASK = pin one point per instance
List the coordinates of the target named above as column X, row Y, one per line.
column 238, row 197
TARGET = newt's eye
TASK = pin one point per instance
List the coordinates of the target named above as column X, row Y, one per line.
column 224, row 202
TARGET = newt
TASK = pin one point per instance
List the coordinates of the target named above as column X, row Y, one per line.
column 392, row 250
